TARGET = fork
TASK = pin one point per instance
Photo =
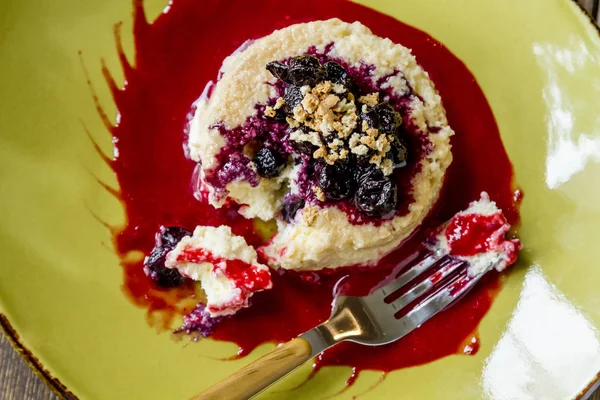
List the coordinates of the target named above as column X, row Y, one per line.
column 371, row 320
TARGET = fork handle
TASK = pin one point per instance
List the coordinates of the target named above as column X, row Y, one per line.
column 258, row 375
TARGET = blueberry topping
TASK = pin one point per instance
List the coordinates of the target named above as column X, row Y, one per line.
column 303, row 147
column 279, row 70
column 352, row 176
column 398, row 153
column 336, row 181
column 161, row 275
column 172, row 235
column 337, row 74
column 389, row 119
column 305, row 70
column 363, row 159
column 376, row 196
column 154, row 264
column 370, row 117
column 293, row 96
column 269, row 162
column 366, row 171
column 300, row 71
column 305, row 61
column 382, row 117
column 291, row 207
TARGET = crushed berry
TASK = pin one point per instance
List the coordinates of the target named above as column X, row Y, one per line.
column 291, row 207
column 199, row 321
column 293, row 96
column 236, row 168
column 269, row 162
column 154, row 264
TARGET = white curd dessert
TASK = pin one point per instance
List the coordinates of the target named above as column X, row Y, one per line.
column 224, row 264
column 336, row 133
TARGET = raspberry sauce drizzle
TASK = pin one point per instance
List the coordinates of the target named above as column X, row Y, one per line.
column 471, row 234
column 175, row 57
column 245, row 276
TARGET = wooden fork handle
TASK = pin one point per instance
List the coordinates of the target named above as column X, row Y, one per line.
column 256, row 376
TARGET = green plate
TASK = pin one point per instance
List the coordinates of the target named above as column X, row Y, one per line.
column 538, row 62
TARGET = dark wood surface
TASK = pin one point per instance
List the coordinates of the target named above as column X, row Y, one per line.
column 18, row 382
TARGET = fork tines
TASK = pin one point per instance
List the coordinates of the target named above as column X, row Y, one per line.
column 445, row 280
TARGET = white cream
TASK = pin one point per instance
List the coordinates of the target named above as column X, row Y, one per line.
column 497, row 258
column 223, row 296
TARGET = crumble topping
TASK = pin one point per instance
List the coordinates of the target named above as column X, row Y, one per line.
column 323, row 110
column 309, row 215
column 327, row 117
column 370, row 99
column 319, row 193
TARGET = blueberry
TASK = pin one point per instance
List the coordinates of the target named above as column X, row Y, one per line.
column 172, row 235
column 366, row 171
column 398, row 152
column 305, row 70
column 336, row 181
column 305, row 76
column 306, row 148
column 376, row 196
column 370, row 117
column 389, row 119
column 269, row 162
column 278, row 70
column 337, row 74
column 291, row 207
column 303, row 147
column 305, row 61
column 280, row 114
column 382, row 117
column 293, row 96
column 154, row 264
column 161, row 275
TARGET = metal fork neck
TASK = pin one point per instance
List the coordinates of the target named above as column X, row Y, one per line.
column 339, row 327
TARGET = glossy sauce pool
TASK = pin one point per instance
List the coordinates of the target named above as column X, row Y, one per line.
column 175, row 57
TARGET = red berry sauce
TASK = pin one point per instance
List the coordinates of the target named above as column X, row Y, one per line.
column 246, row 277
column 175, row 57
column 472, row 234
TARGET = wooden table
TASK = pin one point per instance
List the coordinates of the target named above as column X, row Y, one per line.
column 18, row 382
